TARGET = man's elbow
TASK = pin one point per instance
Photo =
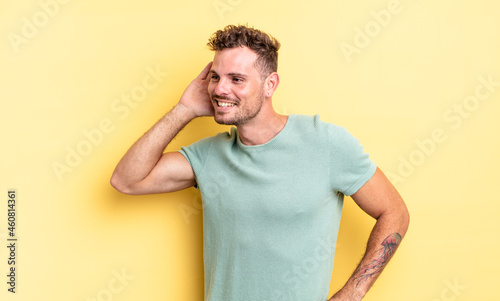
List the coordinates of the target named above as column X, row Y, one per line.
column 397, row 216
column 120, row 185
column 404, row 218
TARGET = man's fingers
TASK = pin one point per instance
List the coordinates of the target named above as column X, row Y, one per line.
column 204, row 73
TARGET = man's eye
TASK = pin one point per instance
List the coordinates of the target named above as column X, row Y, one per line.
column 214, row 77
column 236, row 79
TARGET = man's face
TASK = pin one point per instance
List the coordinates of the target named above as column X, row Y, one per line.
column 236, row 86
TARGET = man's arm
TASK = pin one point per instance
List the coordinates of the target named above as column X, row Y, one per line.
column 145, row 169
column 380, row 200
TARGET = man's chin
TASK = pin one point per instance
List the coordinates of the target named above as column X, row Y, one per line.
column 224, row 121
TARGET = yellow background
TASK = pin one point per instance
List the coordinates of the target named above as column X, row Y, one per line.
column 399, row 89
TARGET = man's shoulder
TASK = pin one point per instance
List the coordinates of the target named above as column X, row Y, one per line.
column 313, row 127
column 314, row 122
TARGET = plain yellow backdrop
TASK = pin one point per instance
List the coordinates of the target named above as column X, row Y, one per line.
column 418, row 82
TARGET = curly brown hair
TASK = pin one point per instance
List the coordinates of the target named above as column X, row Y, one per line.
column 264, row 45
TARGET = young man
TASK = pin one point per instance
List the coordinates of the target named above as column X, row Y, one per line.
column 272, row 187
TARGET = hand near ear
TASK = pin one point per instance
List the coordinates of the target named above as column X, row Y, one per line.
column 195, row 98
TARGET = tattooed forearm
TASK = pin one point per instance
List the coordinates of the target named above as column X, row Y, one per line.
column 389, row 246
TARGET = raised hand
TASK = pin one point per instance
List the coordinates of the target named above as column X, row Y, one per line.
column 195, row 98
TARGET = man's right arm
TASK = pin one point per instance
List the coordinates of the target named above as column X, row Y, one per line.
column 145, row 169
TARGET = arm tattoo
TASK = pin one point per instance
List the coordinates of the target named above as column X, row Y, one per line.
column 389, row 246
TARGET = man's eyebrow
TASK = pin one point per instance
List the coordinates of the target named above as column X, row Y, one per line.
column 237, row 74
column 231, row 73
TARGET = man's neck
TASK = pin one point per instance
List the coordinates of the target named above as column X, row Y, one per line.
column 262, row 129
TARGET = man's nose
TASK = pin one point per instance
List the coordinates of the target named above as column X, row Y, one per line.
column 222, row 87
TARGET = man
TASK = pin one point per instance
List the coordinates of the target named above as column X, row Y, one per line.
column 272, row 187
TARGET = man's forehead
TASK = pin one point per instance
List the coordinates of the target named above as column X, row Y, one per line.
column 234, row 60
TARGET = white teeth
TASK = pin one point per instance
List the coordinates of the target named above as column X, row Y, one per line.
column 225, row 104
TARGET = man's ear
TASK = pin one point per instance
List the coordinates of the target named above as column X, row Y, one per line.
column 271, row 84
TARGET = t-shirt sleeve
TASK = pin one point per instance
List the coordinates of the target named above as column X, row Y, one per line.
column 350, row 167
column 197, row 154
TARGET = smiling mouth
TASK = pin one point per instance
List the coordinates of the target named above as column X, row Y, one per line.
column 224, row 104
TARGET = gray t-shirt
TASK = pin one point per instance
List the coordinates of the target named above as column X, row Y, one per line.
column 271, row 212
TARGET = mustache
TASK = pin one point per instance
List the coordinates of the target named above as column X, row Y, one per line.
column 220, row 97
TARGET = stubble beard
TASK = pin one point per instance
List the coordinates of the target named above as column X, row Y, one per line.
column 242, row 115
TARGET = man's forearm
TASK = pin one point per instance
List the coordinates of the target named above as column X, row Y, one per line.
column 145, row 153
column 383, row 242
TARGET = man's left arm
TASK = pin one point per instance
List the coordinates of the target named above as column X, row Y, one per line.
column 379, row 199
